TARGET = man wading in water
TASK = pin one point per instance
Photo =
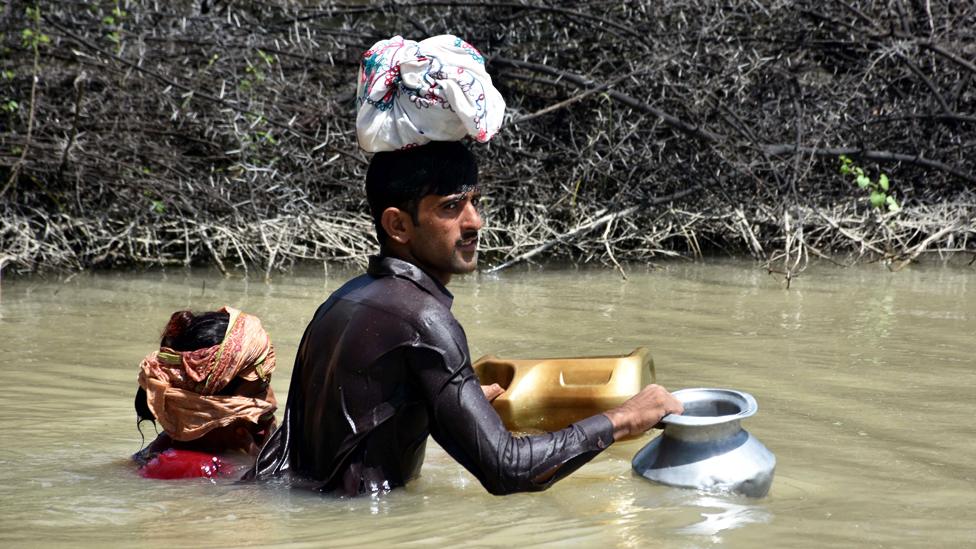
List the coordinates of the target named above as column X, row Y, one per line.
column 384, row 363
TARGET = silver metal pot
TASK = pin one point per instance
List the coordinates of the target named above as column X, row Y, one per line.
column 706, row 447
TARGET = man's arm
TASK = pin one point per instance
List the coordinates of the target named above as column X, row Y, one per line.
column 643, row 411
column 469, row 429
column 638, row 414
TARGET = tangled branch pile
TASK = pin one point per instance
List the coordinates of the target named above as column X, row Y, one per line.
column 136, row 131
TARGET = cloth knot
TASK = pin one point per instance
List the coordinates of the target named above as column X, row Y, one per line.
column 410, row 93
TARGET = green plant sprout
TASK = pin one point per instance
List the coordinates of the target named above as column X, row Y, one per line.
column 254, row 73
column 33, row 38
column 6, row 104
column 879, row 191
column 113, row 24
column 267, row 58
column 156, row 205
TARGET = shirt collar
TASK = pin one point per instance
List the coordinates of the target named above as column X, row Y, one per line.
column 380, row 266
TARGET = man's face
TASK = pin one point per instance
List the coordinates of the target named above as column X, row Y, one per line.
column 445, row 239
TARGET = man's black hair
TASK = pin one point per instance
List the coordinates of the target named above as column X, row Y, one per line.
column 401, row 178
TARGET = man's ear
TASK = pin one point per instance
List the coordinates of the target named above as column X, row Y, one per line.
column 398, row 224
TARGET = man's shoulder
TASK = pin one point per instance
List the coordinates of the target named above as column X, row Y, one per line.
column 399, row 298
column 386, row 312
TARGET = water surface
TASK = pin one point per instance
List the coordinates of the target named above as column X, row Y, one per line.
column 865, row 382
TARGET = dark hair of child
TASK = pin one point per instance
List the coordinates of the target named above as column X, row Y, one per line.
column 187, row 332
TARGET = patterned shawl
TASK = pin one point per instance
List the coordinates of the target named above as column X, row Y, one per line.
column 181, row 387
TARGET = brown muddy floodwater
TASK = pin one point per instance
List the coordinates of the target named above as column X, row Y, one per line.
column 865, row 381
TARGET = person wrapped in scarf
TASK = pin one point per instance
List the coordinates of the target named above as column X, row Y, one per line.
column 208, row 387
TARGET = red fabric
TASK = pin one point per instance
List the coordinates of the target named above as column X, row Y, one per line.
column 173, row 464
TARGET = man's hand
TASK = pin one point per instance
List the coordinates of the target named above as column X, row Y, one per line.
column 492, row 391
column 643, row 411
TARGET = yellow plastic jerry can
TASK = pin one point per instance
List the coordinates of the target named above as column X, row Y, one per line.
column 547, row 394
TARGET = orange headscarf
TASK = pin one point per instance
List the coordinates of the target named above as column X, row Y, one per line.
column 180, row 386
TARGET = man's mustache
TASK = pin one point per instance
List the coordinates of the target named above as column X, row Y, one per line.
column 466, row 236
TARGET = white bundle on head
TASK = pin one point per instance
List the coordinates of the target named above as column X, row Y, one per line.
column 411, row 93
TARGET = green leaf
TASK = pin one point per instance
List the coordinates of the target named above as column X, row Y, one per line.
column 877, row 199
column 268, row 59
column 863, row 181
column 845, row 169
column 158, row 206
column 883, row 182
column 893, row 205
column 108, row 20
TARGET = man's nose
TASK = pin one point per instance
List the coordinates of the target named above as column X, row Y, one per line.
column 472, row 218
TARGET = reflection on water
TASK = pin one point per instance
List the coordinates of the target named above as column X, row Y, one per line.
column 864, row 380
column 725, row 514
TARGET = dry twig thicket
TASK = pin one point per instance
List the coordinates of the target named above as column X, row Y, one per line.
column 222, row 132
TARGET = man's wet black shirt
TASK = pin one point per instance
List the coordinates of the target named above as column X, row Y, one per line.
column 384, row 363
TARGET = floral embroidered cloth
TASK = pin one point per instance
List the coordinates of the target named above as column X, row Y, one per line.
column 411, row 93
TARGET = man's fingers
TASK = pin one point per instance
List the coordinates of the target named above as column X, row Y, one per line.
column 492, row 391
column 675, row 406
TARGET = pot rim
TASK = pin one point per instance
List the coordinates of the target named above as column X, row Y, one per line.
column 744, row 401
